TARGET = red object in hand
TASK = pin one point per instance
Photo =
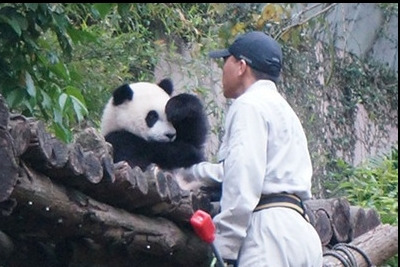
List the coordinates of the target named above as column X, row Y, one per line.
column 203, row 225
column 204, row 228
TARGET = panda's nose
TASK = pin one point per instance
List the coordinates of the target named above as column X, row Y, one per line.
column 171, row 136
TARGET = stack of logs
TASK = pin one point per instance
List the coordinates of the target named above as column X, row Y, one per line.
column 70, row 205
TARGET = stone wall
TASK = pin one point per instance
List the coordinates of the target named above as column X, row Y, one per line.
column 313, row 82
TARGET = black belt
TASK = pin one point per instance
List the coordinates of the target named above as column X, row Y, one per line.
column 282, row 200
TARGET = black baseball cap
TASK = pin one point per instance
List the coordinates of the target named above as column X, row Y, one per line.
column 258, row 49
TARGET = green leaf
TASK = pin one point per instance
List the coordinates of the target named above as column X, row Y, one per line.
column 13, row 23
column 46, row 101
column 60, row 70
column 15, row 97
column 57, row 115
column 73, row 91
column 29, row 104
column 62, row 100
column 79, row 108
column 30, row 86
column 22, row 22
column 103, row 9
column 31, row 6
column 61, row 132
column 81, row 36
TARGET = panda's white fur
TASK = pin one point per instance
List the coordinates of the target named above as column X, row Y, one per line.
column 131, row 115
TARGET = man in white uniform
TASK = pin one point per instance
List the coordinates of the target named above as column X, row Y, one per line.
column 265, row 166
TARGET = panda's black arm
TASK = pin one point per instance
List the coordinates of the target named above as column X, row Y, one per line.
column 176, row 154
column 186, row 113
column 130, row 148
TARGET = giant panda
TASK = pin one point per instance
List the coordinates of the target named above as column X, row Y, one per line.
column 145, row 124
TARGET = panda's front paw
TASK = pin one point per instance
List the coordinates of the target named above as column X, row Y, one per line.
column 183, row 106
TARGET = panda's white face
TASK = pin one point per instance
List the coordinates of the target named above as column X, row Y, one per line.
column 139, row 108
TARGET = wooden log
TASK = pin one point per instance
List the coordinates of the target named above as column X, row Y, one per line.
column 151, row 192
column 92, row 141
column 188, row 203
column 59, row 154
column 8, row 165
column 63, row 212
column 81, row 168
column 8, row 160
column 323, row 226
column 4, row 113
column 128, row 186
column 362, row 220
column 44, row 151
column 158, row 189
column 7, row 206
column 107, row 163
column 166, row 198
column 337, row 211
column 6, row 246
column 372, row 217
column 58, row 160
column 93, row 169
column 89, row 159
column 21, row 133
column 369, row 249
column 74, row 166
column 39, row 150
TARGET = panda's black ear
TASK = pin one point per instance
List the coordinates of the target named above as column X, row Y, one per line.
column 121, row 94
column 166, row 85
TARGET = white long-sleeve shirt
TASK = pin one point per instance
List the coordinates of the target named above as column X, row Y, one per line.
column 264, row 150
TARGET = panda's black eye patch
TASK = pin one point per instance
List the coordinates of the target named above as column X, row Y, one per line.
column 151, row 118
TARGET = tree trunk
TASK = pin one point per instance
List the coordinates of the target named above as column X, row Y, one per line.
column 66, row 213
column 338, row 222
column 370, row 249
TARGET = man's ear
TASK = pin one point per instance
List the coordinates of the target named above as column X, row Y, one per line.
column 243, row 66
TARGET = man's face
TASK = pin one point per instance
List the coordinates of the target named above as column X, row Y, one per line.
column 230, row 77
column 233, row 73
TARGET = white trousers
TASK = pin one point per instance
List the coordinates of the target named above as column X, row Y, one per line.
column 280, row 237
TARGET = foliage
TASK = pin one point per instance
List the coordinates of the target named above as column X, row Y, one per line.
column 373, row 184
column 130, row 36
column 58, row 61
column 361, row 82
column 33, row 77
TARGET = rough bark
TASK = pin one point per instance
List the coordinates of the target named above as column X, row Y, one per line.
column 362, row 220
column 369, row 249
column 4, row 114
column 58, row 213
column 8, row 161
column 336, row 221
column 87, row 165
column 332, row 219
column 6, row 245
column 8, row 165
column 20, row 131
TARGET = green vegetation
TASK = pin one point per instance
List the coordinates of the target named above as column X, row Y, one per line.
column 373, row 184
column 58, row 62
